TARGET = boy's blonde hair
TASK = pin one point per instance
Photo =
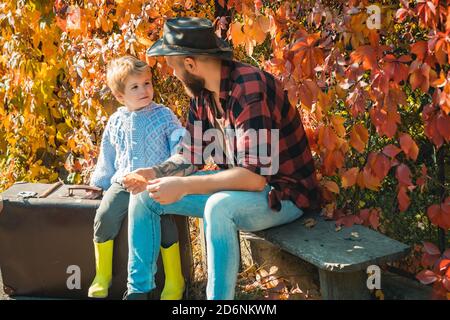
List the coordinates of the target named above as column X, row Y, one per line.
column 120, row 68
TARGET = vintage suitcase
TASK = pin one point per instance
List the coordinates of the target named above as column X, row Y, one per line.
column 46, row 234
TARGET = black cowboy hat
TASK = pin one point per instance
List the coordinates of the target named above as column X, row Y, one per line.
column 190, row 36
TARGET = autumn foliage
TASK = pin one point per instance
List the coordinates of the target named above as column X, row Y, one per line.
column 374, row 96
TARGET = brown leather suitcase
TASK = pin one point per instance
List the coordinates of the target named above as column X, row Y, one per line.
column 46, row 234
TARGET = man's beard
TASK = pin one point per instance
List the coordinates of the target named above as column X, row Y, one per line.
column 194, row 85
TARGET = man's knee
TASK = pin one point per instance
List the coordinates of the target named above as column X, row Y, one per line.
column 141, row 204
column 219, row 204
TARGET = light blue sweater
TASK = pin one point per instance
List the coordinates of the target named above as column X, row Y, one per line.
column 136, row 139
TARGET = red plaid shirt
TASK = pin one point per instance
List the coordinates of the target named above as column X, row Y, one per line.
column 254, row 99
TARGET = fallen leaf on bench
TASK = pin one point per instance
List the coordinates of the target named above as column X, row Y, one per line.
column 309, row 223
column 338, row 228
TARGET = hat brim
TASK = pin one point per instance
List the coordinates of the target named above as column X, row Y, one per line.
column 160, row 49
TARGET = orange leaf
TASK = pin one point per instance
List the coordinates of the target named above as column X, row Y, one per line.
column 237, row 34
column 359, row 137
column 338, row 125
column 366, row 55
column 257, row 29
column 409, row 146
column 349, row 177
column 327, row 138
column 332, row 186
column 371, row 181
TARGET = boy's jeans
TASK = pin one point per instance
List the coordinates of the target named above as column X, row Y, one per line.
column 223, row 212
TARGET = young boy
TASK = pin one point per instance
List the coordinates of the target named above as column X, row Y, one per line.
column 140, row 134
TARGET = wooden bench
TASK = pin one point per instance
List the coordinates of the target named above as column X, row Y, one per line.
column 342, row 257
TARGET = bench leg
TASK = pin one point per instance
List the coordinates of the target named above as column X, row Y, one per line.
column 343, row 285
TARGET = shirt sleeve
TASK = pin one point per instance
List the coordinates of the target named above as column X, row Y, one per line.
column 255, row 135
column 105, row 169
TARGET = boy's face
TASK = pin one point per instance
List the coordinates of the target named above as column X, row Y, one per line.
column 138, row 91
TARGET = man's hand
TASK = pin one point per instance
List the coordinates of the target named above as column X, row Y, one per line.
column 167, row 190
column 136, row 181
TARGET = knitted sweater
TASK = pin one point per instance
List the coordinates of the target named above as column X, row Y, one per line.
column 136, row 139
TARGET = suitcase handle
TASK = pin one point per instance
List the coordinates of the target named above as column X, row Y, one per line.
column 82, row 187
column 51, row 189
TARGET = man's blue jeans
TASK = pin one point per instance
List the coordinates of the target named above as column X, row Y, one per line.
column 223, row 212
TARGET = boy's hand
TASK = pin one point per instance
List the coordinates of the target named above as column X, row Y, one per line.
column 147, row 173
column 134, row 182
column 167, row 190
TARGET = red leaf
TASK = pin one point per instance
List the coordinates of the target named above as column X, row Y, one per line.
column 446, row 254
column 348, row 221
column 422, row 180
column 403, row 175
column 396, row 69
column 420, row 49
column 439, row 215
column 391, row 151
column 379, row 164
column 430, row 120
column 446, row 283
column 370, row 217
column 426, row 276
column 431, row 248
column 403, row 199
column 420, row 76
column 429, row 260
column 443, row 125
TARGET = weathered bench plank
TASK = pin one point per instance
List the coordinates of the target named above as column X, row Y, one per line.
column 348, row 250
column 341, row 256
